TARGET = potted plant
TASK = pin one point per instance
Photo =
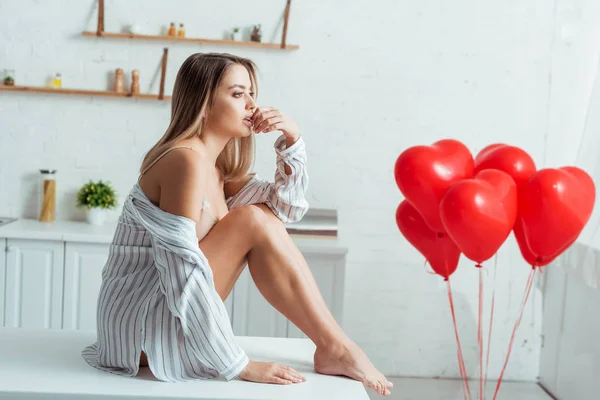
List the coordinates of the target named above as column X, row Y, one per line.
column 236, row 34
column 97, row 197
column 9, row 79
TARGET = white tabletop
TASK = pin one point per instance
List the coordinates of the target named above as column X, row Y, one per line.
column 78, row 231
column 47, row 364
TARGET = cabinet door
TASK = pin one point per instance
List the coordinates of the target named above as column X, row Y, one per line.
column 328, row 270
column 84, row 263
column 34, row 283
column 252, row 314
column 2, row 279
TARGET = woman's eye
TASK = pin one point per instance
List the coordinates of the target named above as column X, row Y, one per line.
column 238, row 94
column 251, row 94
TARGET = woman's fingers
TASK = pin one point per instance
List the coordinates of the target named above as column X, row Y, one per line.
column 280, row 381
column 296, row 377
column 295, row 373
column 290, row 374
column 260, row 116
column 268, row 124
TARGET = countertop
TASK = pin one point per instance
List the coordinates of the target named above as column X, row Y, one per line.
column 76, row 231
column 47, row 364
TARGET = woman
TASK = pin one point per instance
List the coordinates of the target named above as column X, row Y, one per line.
column 190, row 225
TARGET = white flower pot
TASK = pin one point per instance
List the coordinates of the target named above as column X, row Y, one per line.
column 237, row 36
column 96, row 216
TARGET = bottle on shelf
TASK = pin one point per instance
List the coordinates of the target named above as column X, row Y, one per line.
column 119, row 87
column 172, row 29
column 57, row 81
column 181, row 31
column 135, row 82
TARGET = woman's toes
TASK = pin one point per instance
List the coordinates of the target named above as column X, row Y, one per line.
column 389, row 385
column 373, row 385
column 387, row 392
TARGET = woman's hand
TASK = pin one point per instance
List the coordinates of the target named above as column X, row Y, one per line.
column 268, row 119
column 270, row 372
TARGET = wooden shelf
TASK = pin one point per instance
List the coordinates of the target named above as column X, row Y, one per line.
column 190, row 40
column 83, row 92
column 282, row 46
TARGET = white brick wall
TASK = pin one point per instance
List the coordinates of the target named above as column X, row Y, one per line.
column 370, row 79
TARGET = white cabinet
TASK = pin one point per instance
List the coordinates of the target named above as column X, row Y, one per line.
column 83, row 275
column 254, row 316
column 328, row 270
column 34, row 283
column 2, row 280
column 55, row 284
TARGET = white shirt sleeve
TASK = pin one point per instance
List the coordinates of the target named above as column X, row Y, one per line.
column 285, row 197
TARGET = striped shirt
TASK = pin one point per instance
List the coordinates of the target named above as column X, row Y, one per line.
column 158, row 295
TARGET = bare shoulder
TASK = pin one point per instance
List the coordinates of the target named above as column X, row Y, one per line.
column 182, row 183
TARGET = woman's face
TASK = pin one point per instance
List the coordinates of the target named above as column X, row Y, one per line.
column 234, row 102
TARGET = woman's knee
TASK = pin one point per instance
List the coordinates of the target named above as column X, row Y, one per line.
column 256, row 218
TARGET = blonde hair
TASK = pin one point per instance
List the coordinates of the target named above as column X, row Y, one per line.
column 193, row 95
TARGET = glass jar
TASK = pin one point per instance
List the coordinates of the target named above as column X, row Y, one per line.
column 172, row 29
column 57, row 81
column 47, row 200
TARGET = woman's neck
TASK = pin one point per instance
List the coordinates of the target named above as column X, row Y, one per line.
column 213, row 145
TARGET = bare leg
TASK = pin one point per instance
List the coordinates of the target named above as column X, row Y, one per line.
column 283, row 277
column 254, row 234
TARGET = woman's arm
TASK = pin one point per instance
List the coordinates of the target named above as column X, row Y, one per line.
column 285, row 197
column 232, row 188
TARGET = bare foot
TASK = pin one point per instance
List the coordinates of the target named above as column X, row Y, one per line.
column 351, row 361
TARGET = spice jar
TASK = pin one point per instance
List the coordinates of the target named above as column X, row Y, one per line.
column 172, row 29
column 57, row 81
column 181, row 31
column 47, row 195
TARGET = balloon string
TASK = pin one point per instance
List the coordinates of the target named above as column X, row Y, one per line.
column 487, row 358
column 512, row 339
column 461, row 360
column 427, row 270
column 463, row 374
column 480, row 333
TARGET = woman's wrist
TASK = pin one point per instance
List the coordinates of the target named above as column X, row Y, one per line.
column 291, row 138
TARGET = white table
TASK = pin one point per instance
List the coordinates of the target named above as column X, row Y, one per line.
column 47, row 364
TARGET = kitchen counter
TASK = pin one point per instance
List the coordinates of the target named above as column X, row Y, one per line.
column 75, row 231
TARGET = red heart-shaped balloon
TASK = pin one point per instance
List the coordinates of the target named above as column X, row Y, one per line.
column 510, row 159
column 437, row 248
column 554, row 206
column 424, row 173
column 479, row 213
column 526, row 252
column 520, row 166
